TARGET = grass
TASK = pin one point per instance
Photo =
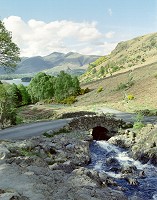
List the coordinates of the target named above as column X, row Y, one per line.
column 138, row 124
column 60, row 131
column 33, row 113
column 27, row 152
column 143, row 89
column 147, row 112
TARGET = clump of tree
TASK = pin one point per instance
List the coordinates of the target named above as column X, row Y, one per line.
column 11, row 97
column 59, row 88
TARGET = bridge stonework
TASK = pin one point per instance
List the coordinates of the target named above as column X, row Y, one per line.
column 91, row 122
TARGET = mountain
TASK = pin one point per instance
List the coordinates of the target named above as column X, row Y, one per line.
column 73, row 63
column 34, row 64
column 55, row 62
column 127, row 55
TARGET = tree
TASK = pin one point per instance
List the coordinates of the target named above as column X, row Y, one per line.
column 41, row 87
column 7, row 109
column 66, row 86
column 14, row 94
column 24, row 93
column 9, row 51
column 76, row 85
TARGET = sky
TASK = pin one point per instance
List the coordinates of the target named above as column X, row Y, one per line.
column 90, row 27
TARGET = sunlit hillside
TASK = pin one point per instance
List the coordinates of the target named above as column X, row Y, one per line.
column 127, row 55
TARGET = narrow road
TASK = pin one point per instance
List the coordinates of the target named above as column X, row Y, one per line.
column 38, row 128
column 127, row 117
column 32, row 129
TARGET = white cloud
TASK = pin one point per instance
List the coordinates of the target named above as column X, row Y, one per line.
column 40, row 38
column 110, row 11
column 110, row 34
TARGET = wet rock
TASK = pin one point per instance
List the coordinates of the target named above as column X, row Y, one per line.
column 129, row 169
column 70, row 147
column 132, row 181
column 111, row 182
column 142, row 174
column 112, row 161
column 122, row 141
column 144, row 148
column 103, row 177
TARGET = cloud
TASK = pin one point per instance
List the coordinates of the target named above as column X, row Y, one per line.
column 102, row 49
column 39, row 38
column 110, row 11
column 110, row 34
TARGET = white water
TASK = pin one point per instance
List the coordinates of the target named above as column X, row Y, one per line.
column 101, row 151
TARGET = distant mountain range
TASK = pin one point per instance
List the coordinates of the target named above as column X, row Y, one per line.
column 53, row 63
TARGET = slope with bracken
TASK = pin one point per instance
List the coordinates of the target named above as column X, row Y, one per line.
column 127, row 55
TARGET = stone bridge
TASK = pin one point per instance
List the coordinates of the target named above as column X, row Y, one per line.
column 103, row 127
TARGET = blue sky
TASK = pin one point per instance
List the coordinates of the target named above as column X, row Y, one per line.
column 40, row 27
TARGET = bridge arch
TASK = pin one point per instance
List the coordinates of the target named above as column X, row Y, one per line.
column 100, row 133
column 101, row 127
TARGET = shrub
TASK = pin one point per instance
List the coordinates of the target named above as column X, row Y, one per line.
column 48, row 101
column 19, row 120
column 100, row 89
column 130, row 97
column 126, row 86
column 84, row 91
column 121, row 86
column 69, row 100
column 138, row 123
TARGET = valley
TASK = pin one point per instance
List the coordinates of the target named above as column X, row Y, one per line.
column 86, row 136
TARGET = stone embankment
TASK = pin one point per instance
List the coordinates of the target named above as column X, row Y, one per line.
column 49, row 168
column 142, row 144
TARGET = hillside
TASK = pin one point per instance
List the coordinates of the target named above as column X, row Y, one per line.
column 130, row 54
column 54, row 63
column 127, row 91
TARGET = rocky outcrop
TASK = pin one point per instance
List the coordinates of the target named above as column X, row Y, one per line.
column 48, row 168
column 141, row 144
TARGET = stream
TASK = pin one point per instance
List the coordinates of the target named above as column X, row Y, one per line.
column 116, row 162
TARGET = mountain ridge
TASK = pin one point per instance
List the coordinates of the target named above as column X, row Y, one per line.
column 57, row 60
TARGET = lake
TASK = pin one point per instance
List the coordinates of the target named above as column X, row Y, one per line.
column 16, row 81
